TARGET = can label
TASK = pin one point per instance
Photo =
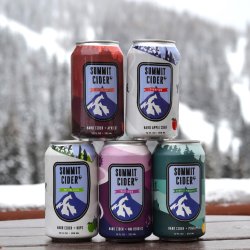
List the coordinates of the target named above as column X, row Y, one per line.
column 183, row 196
column 126, row 191
column 154, row 84
column 100, row 90
column 71, row 190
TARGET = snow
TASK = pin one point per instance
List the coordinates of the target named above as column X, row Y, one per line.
column 227, row 139
column 236, row 143
column 22, row 197
column 236, row 59
column 241, row 85
column 235, row 12
column 193, row 124
column 90, row 33
column 242, row 90
column 33, row 196
column 225, row 135
column 35, row 40
column 228, row 190
column 55, row 35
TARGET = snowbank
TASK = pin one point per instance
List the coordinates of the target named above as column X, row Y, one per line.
column 228, row 190
column 25, row 197
column 22, row 197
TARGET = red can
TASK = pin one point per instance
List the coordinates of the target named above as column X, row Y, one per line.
column 97, row 90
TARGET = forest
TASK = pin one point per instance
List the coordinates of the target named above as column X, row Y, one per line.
column 35, row 83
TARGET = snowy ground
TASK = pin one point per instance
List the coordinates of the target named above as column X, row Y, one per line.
column 32, row 196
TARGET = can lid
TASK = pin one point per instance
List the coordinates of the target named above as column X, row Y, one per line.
column 176, row 141
column 64, row 142
column 104, row 42
column 153, row 41
column 125, row 142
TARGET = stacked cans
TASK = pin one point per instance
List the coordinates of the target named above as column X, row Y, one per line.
column 125, row 176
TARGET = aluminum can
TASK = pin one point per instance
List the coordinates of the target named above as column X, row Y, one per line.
column 152, row 89
column 179, row 190
column 125, row 191
column 71, row 196
column 97, row 90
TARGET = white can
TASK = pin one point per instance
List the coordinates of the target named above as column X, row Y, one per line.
column 71, row 197
column 152, row 89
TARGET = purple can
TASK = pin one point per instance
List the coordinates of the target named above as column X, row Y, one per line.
column 125, row 191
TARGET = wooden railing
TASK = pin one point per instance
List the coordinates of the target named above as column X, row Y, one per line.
column 211, row 209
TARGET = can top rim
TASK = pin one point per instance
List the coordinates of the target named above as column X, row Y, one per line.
column 125, row 142
column 178, row 141
column 70, row 141
column 153, row 40
column 98, row 42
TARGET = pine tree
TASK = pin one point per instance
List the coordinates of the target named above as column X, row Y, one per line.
column 79, row 152
column 186, row 151
column 85, row 155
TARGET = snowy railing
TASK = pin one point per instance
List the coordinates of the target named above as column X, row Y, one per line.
column 223, row 196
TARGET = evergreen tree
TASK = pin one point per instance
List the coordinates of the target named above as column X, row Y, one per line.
column 85, row 155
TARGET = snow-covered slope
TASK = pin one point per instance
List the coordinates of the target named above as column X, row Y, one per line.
column 241, row 84
column 35, row 40
column 193, row 122
column 194, row 125
column 242, row 89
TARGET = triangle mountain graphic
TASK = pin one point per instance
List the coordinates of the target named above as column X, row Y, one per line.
column 184, row 207
column 154, row 106
column 126, row 208
column 101, row 106
column 70, row 207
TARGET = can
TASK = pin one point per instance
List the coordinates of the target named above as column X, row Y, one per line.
column 71, row 196
column 125, row 191
column 152, row 89
column 179, row 190
column 97, row 90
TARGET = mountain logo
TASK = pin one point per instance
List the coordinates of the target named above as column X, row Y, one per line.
column 71, row 187
column 154, row 106
column 101, row 107
column 184, row 208
column 70, row 208
column 125, row 208
column 154, row 90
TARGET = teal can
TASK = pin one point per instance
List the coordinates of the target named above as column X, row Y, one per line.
column 179, row 190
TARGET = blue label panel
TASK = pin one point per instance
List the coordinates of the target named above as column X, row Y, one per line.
column 71, row 190
column 101, row 90
column 126, row 191
column 183, row 191
column 154, row 90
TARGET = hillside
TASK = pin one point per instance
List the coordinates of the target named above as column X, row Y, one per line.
column 38, row 37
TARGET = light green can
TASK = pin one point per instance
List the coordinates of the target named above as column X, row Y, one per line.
column 179, row 190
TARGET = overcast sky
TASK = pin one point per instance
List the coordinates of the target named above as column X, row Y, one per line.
column 235, row 13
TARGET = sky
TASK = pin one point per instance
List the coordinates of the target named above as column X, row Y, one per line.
column 234, row 13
